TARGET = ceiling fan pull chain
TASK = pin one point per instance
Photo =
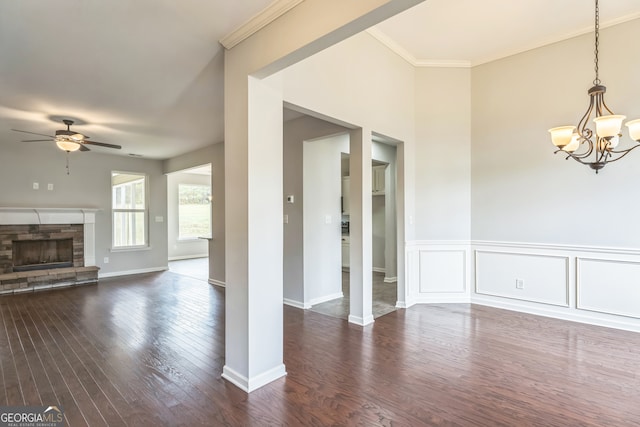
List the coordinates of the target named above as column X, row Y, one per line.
column 67, row 163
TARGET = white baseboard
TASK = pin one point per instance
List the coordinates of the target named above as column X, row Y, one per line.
column 250, row 384
column 361, row 321
column 442, row 299
column 131, row 272
column 579, row 316
column 296, row 304
column 217, row 283
column 390, row 279
column 183, row 257
column 324, row 299
column 379, row 269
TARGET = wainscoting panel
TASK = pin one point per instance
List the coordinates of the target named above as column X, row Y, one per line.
column 438, row 271
column 537, row 278
column 442, row 271
column 609, row 286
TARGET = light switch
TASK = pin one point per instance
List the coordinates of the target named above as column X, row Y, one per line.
column 327, row 219
column 159, row 219
column 286, row 219
column 36, row 186
column 50, row 187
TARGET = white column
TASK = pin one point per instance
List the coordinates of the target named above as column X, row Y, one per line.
column 360, row 227
column 254, row 236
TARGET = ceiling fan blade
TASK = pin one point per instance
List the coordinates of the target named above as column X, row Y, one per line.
column 83, row 148
column 102, row 144
column 34, row 133
column 36, row 140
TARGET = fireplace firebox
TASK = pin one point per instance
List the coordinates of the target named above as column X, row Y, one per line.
column 43, row 254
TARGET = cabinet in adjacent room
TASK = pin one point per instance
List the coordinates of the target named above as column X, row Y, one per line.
column 377, row 180
column 345, row 251
column 345, row 195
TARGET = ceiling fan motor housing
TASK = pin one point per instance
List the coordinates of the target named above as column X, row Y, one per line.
column 69, row 135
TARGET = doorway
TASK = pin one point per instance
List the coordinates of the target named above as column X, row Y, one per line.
column 189, row 221
column 384, row 262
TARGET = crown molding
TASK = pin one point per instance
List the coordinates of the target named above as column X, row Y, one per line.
column 258, row 21
column 392, row 45
column 404, row 54
column 551, row 40
column 444, row 63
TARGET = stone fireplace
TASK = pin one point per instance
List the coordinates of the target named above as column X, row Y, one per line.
column 43, row 248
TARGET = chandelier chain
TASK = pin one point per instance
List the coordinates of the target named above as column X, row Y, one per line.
column 596, row 81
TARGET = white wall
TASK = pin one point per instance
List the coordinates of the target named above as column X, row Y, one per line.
column 183, row 249
column 88, row 185
column 569, row 234
column 322, row 218
column 521, row 191
column 443, row 140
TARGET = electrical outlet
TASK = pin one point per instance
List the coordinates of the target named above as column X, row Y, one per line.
column 36, row 186
column 519, row 284
column 50, row 187
column 286, row 219
column 106, row 260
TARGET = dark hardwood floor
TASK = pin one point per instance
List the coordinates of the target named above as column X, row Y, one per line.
column 149, row 350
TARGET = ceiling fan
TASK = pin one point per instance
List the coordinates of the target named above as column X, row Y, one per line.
column 68, row 140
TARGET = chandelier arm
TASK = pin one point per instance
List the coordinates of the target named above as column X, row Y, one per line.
column 598, row 105
column 577, row 159
column 623, row 152
column 604, row 104
column 601, row 154
column 586, row 153
column 582, row 124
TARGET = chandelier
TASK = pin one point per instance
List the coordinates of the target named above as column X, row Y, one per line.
column 579, row 142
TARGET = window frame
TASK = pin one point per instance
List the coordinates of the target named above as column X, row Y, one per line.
column 144, row 211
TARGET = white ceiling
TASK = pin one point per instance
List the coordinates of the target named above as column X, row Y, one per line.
column 147, row 74
column 471, row 32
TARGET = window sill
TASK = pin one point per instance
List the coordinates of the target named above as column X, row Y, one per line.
column 131, row 248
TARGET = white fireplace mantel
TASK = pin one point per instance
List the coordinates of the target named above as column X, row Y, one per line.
column 11, row 216
column 86, row 216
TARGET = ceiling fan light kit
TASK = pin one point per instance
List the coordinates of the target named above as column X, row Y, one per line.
column 599, row 147
column 67, row 145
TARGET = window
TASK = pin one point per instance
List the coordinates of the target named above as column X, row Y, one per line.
column 129, row 207
column 194, row 211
